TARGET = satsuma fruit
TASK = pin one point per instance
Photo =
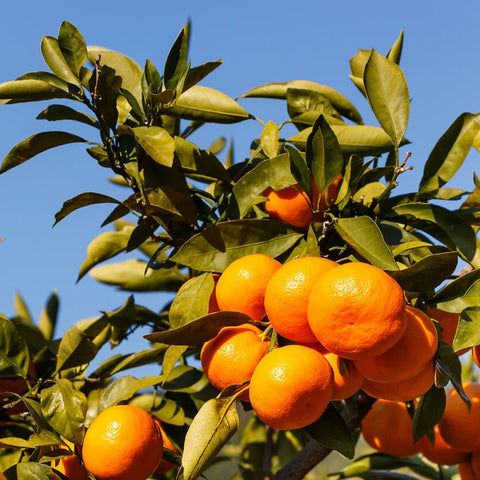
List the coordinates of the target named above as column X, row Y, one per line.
column 409, row 356
column 357, row 311
column 16, row 384
column 122, row 443
column 165, row 466
column 241, row 287
column 459, row 427
column 347, row 380
column 287, row 293
column 232, row 355
column 387, row 428
column 291, row 387
column 441, row 452
column 71, row 466
column 465, row 471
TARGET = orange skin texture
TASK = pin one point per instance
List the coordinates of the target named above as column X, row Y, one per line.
column 357, row 311
column 122, row 443
column 465, row 470
column 345, row 384
column 72, row 468
column 448, row 323
column 232, row 355
column 241, row 287
column 404, row 390
column 458, row 427
column 18, row 385
column 476, row 355
column 441, row 452
column 387, row 428
column 287, row 293
column 292, row 205
column 291, row 387
column 409, row 356
column 164, row 466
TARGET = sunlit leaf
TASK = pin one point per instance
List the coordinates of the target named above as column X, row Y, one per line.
column 269, row 139
column 75, row 349
column 177, row 58
column 157, row 143
column 54, row 58
column 72, row 46
column 468, row 330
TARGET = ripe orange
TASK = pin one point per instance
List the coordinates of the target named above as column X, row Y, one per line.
column 465, row 470
column 475, row 462
column 345, row 383
column 231, row 357
column 357, row 311
column 71, row 466
column 448, row 323
column 404, row 390
column 387, row 428
column 441, row 452
column 409, row 356
column 458, row 427
column 292, row 205
column 164, row 466
column 122, row 443
column 287, row 293
column 291, row 387
column 16, row 384
column 241, row 287
column 476, row 355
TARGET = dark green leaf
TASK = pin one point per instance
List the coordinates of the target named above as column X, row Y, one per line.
column 364, row 236
column 331, row 431
column 31, row 471
column 428, row 413
column 455, row 289
column 177, row 59
column 216, row 247
column 153, row 78
column 106, row 85
column 14, row 357
column 36, row 144
column 449, row 152
column 64, row 408
column 62, row 112
column 72, row 46
column 449, row 368
column 196, row 74
column 200, row 330
column 212, row 427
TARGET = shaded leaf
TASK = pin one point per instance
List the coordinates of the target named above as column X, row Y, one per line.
column 48, row 317
column 36, row 144
column 177, row 59
column 62, row 112
column 212, row 427
column 14, row 357
column 428, row 413
column 216, row 247
column 31, row 471
column 196, row 74
column 72, row 46
column 364, row 236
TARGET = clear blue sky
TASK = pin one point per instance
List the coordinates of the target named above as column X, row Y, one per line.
column 259, row 42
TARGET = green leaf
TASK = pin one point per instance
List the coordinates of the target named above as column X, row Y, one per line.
column 14, row 357
column 172, row 356
column 133, row 360
column 331, row 431
column 455, row 290
column 442, row 224
column 133, row 275
column 269, row 139
column 324, row 155
column 33, row 90
column 212, row 427
column 301, row 102
column 280, row 90
column 387, row 93
column 204, row 104
column 359, row 139
column 196, row 74
column 62, row 112
column 48, row 317
column 157, row 142
column 216, row 247
column 200, row 330
column 364, row 236
column 64, row 408
column 31, row 471
column 72, row 46
column 36, row 144
column 75, row 349
column 177, row 59
column 428, row 413
column 103, row 247
column 54, row 58
column 468, row 331
column 124, row 388
column 80, row 201
column 427, row 273
column 449, row 152
column 395, row 52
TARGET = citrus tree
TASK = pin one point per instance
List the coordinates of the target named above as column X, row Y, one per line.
column 254, row 373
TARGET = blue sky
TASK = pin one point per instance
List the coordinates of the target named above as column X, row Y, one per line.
column 259, row 42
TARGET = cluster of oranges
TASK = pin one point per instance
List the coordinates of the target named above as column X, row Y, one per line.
column 341, row 327
column 124, row 442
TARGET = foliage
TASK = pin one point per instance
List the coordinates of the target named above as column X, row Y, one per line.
column 190, row 213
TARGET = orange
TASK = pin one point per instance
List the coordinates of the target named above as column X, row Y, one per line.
column 458, row 427
column 291, row 387
column 448, row 323
column 357, row 311
column 404, row 390
column 164, row 466
column 292, row 205
column 409, row 356
column 441, row 452
column 347, row 380
column 465, row 470
column 475, row 462
column 286, row 296
column 232, row 355
column 241, row 287
column 71, row 466
column 15, row 384
column 122, row 443
column 387, row 428
column 476, row 355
